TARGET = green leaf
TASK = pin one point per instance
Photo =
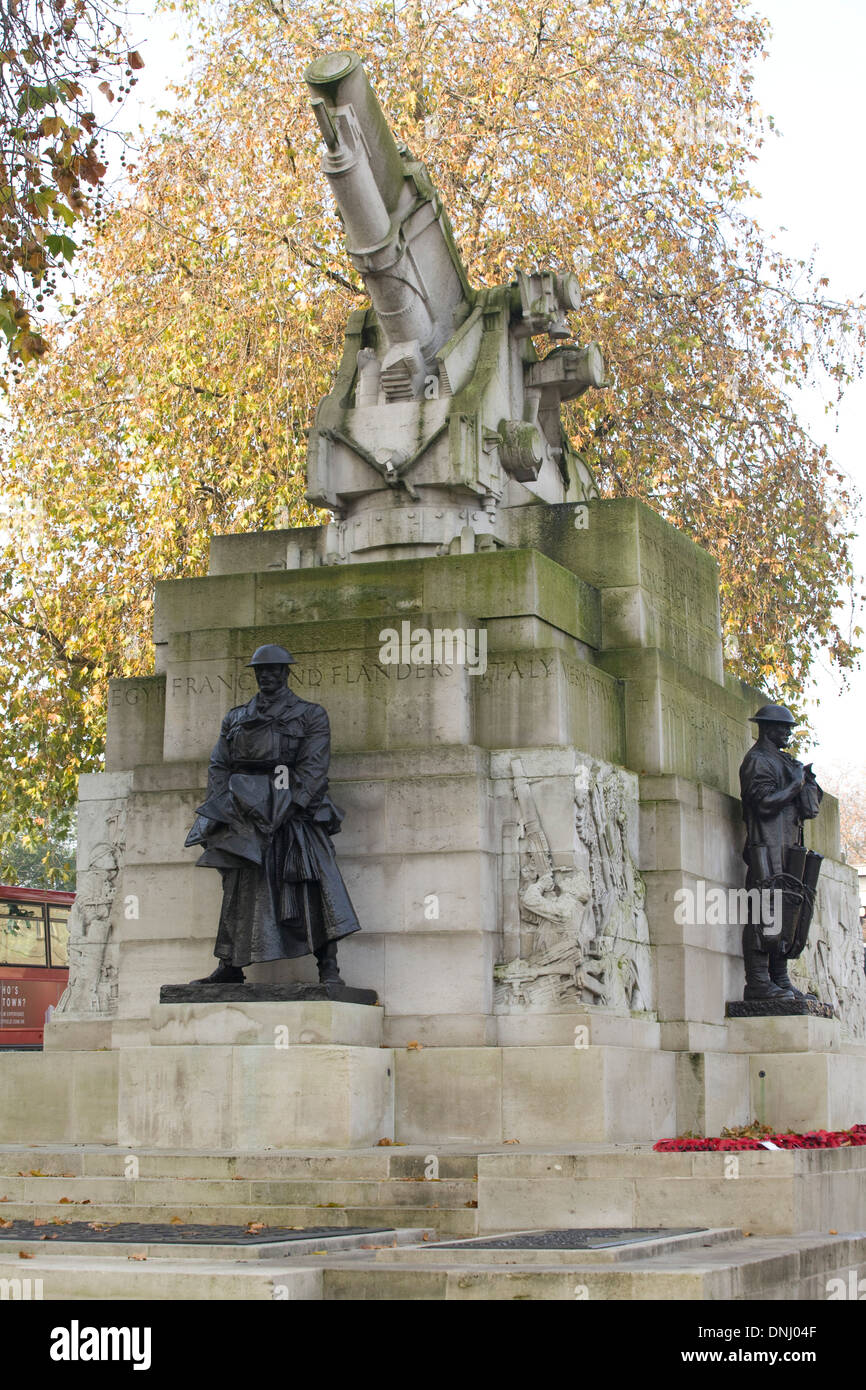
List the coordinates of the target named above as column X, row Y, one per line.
column 61, row 246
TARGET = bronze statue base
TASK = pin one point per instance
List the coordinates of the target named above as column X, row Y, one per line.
column 777, row 1008
column 248, row 993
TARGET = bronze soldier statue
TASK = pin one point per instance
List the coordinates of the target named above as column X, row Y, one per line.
column 778, row 795
column 266, row 825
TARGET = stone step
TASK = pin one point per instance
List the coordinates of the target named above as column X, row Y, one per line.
column 237, row 1191
column 451, row 1253
column 747, row 1269
column 758, row 1269
column 452, row 1221
column 82, row 1277
column 378, row 1164
column 148, row 1249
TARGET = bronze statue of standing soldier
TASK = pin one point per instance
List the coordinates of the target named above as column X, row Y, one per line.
column 266, row 825
column 778, row 794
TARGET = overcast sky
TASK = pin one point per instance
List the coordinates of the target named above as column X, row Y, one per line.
column 812, row 186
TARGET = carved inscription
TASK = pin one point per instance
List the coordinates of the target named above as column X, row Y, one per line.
column 131, row 695
column 243, row 685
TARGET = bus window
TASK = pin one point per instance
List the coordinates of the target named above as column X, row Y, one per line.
column 22, row 934
column 59, row 928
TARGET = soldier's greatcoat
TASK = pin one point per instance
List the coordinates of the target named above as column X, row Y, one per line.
column 266, row 824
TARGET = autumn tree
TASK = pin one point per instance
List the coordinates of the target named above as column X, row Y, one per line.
column 54, row 55
column 848, row 784
column 611, row 137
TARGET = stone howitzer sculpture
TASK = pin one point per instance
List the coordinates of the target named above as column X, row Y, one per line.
column 442, row 410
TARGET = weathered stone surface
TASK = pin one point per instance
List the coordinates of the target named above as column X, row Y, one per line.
column 255, row 1097
column 294, row 548
column 300, row 1018
column 799, row 1091
column 806, row 1031
column 712, row 1092
column 657, row 588
column 774, row 1193
column 532, row 1094
column 136, row 722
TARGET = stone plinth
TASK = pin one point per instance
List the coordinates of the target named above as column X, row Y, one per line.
column 254, row 1097
column 772, row 1193
column 800, row 1091
column 533, row 1095
column 241, row 1023
column 249, row 992
column 534, row 982
column 777, row 1008
column 802, row 1032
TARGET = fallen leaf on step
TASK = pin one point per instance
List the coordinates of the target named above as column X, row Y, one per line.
column 470, row 1204
column 22, row 1255
column 4, row 1199
column 85, row 1202
column 35, row 1173
column 64, row 1199
column 255, row 1226
column 382, row 1144
column 136, row 1257
column 414, row 1046
column 5, row 1224
column 833, row 1233
column 39, row 1222
column 511, row 1141
column 176, row 1221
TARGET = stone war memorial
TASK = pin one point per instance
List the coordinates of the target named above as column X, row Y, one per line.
column 485, row 931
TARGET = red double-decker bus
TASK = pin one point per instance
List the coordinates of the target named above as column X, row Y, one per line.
column 34, row 960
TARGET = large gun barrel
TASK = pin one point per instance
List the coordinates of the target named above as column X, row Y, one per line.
column 396, row 230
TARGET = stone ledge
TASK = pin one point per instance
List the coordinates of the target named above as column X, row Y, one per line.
column 309, row 1021
column 783, row 1008
column 264, row 994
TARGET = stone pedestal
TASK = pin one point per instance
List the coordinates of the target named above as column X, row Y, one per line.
column 518, row 841
column 219, row 1076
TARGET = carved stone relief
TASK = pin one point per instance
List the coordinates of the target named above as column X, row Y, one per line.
column 576, row 923
column 92, row 988
column 832, row 963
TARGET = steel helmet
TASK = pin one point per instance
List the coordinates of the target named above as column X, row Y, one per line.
column 271, row 656
column 773, row 714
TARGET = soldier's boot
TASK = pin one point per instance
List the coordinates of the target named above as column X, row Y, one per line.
column 326, row 959
column 779, row 976
column 758, row 982
column 224, row 974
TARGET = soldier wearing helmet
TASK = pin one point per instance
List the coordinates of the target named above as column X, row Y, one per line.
column 778, row 795
column 266, row 825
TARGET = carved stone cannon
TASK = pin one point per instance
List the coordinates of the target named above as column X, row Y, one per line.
column 442, row 412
